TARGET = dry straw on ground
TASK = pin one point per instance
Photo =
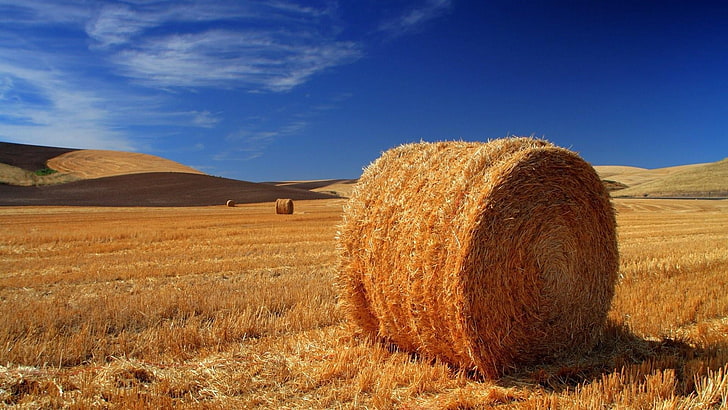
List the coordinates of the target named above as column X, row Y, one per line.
column 230, row 203
column 489, row 256
column 284, row 206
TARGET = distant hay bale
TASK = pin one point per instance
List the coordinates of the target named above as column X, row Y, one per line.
column 489, row 256
column 284, row 206
column 230, row 203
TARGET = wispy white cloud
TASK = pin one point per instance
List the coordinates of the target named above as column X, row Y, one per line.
column 34, row 12
column 155, row 114
column 204, row 119
column 415, row 18
column 229, row 59
column 260, row 45
column 43, row 101
column 253, row 52
column 251, row 142
column 41, row 106
column 257, row 45
column 116, row 24
column 6, row 84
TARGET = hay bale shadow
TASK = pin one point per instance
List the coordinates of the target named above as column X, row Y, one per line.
column 620, row 350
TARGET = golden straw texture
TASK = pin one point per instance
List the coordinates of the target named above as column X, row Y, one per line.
column 284, row 206
column 488, row 255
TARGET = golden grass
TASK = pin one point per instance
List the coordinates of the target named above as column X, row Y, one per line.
column 633, row 176
column 606, row 171
column 342, row 189
column 489, row 256
column 702, row 180
column 89, row 163
column 339, row 187
column 203, row 308
column 21, row 177
column 693, row 180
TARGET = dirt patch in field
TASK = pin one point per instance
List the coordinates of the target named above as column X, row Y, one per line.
column 29, row 157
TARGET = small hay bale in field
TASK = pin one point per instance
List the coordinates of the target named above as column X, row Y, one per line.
column 284, row 206
column 489, row 256
column 230, row 203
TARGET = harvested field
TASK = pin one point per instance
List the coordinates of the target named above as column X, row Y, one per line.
column 111, row 307
column 90, row 163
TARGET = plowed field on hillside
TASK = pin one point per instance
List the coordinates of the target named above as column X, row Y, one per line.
column 151, row 189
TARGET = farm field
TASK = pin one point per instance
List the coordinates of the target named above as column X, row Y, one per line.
column 217, row 307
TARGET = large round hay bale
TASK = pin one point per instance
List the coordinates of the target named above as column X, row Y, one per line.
column 230, row 203
column 489, row 256
column 284, row 206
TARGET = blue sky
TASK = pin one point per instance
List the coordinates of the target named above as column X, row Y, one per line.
column 284, row 90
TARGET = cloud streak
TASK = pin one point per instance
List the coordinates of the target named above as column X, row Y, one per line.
column 251, row 52
column 47, row 104
column 44, row 12
column 270, row 46
column 256, row 46
column 416, row 17
column 228, row 59
column 252, row 141
column 41, row 106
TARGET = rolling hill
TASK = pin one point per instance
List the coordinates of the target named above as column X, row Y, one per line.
column 339, row 187
column 708, row 180
column 633, row 176
column 89, row 163
column 113, row 178
column 695, row 180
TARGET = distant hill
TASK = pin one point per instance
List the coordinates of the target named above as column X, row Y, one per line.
column 90, row 163
column 607, row 171
column 701, row 180
column 339, row 187
column 114, row 178
column 693, row 180
column 707, row 180
column 632, row 176
column 37, row 175
column 151, row 189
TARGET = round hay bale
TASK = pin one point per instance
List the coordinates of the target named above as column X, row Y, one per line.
column 230, row 203
column 284, row 206
column 489, row 256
